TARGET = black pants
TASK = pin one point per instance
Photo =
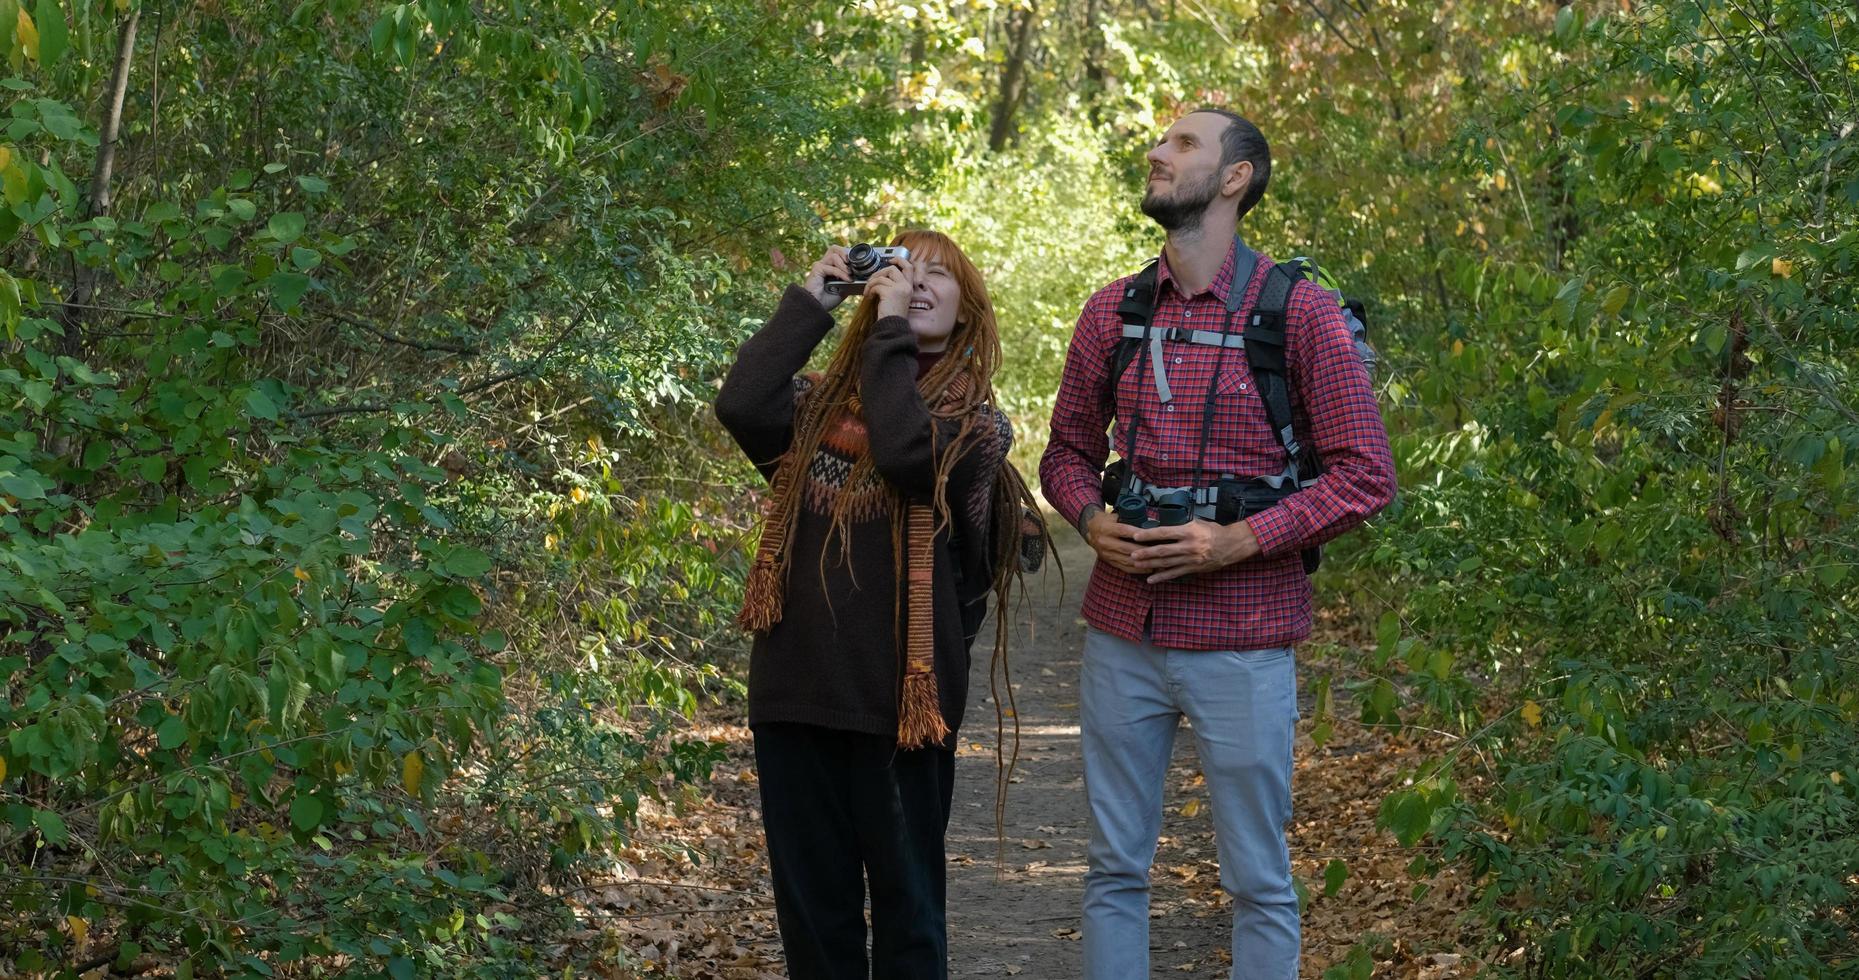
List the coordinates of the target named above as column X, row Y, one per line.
column 843, row 808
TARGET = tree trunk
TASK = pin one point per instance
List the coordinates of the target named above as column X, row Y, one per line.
column 84, row 279
column 1564, row 223
column 1093, row 60
column 1013, row 80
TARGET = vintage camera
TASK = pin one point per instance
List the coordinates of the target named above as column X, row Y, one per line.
column 864, row 261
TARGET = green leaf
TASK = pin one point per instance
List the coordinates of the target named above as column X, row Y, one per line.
column 287, row 289
column 467, row 563
column 51, row 825
column 400, row 968
column 1567, row 299
column 382, row 33
column 1334, row 874
column 306, row 812
column 260, row 405
column 313, row 184
column 305, row 259
column 229, row 278
column 172, row 733
column 21, row 488
column 242, row 208
column 9, row 305
column 54, row 37
column 286, row 226
column 57, row 119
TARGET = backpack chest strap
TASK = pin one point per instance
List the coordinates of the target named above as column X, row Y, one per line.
column 1208, row 338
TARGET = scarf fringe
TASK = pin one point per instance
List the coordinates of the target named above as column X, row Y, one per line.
column 761, row 596
column 920, row 722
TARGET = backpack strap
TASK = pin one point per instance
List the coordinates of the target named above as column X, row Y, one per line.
column 1136, row 310
column 1265, row 351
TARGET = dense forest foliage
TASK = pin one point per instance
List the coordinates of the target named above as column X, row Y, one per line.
column 366, row 544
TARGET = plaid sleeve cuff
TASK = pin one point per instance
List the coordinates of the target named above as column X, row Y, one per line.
column 1277, row 531
column 1070, row 501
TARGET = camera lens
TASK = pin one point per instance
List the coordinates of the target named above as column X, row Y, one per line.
column 862, row 259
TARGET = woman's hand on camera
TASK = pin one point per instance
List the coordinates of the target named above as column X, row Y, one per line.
column 892, row 285
column 832, row 265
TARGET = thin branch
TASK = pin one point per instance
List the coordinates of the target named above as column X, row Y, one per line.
column 524, row 370
column 1327, row 22
column 431, row 346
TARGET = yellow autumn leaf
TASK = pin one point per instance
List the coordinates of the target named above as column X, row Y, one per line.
column 1781, row 267
column 578, row 495
column 302, row 576
column 80, row 928
column 550, row 541
column 2, row 768
column 28, row 34
column 1532, row 714
column 411, row 769
column 1500, row 181
column 6, row 157
column 1835, row 775
column 1458, row 347
column 1191, row 807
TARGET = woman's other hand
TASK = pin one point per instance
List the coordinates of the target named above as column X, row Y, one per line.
column 832, row 265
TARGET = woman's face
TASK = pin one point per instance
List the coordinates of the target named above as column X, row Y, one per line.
column 935, row 300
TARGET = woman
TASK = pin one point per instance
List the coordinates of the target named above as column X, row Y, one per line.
column 892, row 513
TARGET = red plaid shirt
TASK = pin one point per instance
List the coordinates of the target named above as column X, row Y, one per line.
column 1256, row 604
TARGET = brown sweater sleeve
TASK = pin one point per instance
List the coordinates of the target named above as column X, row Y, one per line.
column 756, row 403
column 904, row 436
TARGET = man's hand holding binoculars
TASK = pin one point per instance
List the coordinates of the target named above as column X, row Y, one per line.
column 1170, row 552
column 1112, row 539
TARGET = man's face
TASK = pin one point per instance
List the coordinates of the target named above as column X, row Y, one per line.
column 1184, row 172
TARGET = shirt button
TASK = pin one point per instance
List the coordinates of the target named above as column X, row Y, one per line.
column 1171, row 407
column 1187, row 315
column 1164, row 457
column 1177, row 360
column 1242, row 386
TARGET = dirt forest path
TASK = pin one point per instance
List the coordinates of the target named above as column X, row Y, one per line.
column 713, row 917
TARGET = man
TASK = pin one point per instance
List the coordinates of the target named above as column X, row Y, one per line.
column 1199, row 619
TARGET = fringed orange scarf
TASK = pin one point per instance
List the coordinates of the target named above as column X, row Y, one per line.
column 919, row 716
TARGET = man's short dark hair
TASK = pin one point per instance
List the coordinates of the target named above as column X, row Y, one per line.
column 1241, row 140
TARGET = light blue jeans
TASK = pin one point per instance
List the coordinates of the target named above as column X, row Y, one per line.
column 1242, row 706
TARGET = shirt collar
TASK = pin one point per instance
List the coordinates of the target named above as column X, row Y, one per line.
column 1222, row 286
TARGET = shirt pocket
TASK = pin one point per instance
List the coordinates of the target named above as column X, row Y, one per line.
column 1239, row 414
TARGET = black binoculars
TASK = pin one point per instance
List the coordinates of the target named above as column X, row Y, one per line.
column 1172, row 509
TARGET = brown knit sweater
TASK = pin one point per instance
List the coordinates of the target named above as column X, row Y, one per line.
column 834, row 659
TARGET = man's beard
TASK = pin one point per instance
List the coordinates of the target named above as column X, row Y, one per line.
column 1184, row 210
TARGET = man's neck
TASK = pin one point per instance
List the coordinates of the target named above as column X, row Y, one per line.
column 1196, row 255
